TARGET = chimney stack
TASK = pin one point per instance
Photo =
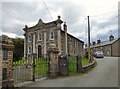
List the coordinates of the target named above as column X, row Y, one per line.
column 65, row 27
column 85, row 45
column 93, row 42
column 98, row 41
column 111, row 37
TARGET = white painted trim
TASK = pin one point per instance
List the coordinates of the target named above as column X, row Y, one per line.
column 38, row 36
column 24, row 46
column 29, row 50
column 34, row 43
column 45, row 43
column 59, row 41
column 53, row 35
column 66, row 50
column 29, row 37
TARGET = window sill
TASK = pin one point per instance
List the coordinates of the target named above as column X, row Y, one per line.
column 29, row 54
column 51, row 39
column 6, row 60
column 39, row 40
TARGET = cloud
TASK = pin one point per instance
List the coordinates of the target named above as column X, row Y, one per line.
column 16, row 14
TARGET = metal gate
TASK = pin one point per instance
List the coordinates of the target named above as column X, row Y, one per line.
column 29, row 69
column 41, row 68
column 22, row 70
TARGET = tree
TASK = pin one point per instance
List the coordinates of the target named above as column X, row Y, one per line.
column 19, row 48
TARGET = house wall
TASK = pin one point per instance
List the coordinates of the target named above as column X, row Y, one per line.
column 80, row 48
column 45, row 39
column 107, row 50
column 62, row 43
column 6, row 63
column 116, row 49
column 112, row 49
column 74, row 46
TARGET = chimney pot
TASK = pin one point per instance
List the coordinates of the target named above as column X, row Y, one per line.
column 111, row 37
column 65, row 26
column 93, row 43
column 98, row 41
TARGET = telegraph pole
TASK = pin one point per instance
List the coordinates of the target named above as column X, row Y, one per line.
column 89, row 40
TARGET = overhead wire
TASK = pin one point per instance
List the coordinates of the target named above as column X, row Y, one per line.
column 111, row 21
column 104, row 14
column 114, row 6
column 47, row 9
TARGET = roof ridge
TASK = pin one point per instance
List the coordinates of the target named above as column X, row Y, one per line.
column 105, row 42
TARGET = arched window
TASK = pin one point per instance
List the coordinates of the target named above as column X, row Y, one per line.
column 51, row 35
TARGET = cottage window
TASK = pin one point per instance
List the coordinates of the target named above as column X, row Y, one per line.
column 40, row 36
column 4, row 73
column 51, row 35
column 5, row 54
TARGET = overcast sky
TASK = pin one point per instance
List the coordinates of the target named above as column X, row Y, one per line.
column 103, row 16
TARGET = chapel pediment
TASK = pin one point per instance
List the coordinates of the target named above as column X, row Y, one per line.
column 40, row 22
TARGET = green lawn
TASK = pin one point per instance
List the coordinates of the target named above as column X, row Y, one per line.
column 85, row 61
column 41, row 67
column 22, row 61
column 73, row 65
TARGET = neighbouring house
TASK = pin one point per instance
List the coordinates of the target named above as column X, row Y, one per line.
column 109, row 48
column 6, row 61
column 38, row 39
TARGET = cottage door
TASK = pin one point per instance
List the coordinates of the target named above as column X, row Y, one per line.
column 39, row 51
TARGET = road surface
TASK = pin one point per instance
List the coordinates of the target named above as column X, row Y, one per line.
column 105, row 74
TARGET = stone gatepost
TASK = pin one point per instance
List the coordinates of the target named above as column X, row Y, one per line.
column 53, row 61
column 7, row 61
column 79, row 64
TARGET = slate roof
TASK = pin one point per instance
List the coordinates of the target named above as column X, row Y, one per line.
column 104, row 43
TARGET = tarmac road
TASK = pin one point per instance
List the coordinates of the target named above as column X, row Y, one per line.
column 105, row 74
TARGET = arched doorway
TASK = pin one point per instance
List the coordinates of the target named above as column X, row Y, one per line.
column 39, row 51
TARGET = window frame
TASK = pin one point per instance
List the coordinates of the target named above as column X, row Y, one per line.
column 52, row 35
column 29, row 51
column 29, row 38
column 5, row 54
column 4, row 74
column 39, row 36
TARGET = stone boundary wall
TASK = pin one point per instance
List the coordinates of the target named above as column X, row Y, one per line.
column 6, row 61
column 89, row 66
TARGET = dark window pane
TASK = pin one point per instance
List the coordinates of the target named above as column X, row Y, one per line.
column 4, row 73
column 5, row 54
